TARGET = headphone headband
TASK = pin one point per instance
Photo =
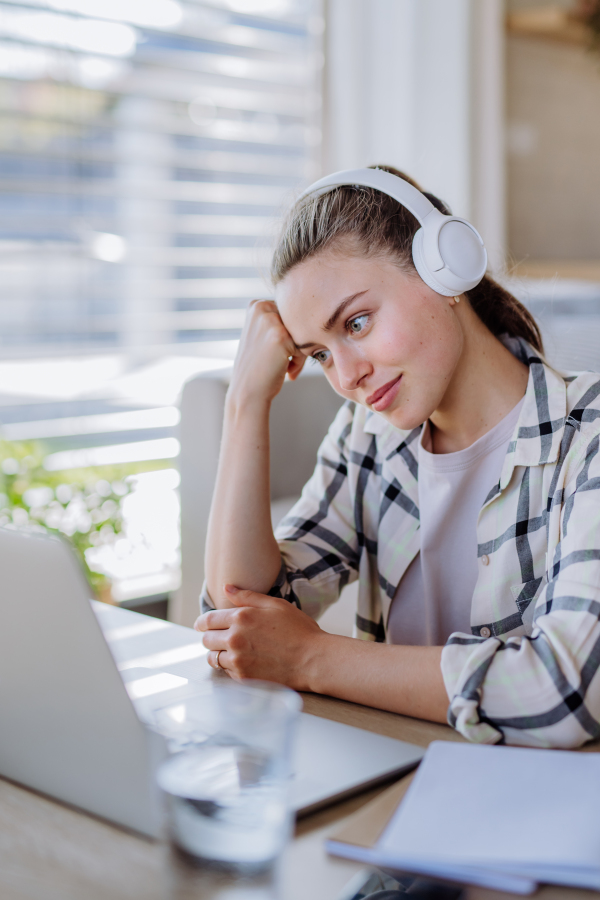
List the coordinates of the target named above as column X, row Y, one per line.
column 448, row 252
column 397, row 188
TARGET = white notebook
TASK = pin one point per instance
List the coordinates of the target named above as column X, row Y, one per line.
column 503, row 817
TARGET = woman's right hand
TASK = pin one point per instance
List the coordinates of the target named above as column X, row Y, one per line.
column 266, row 354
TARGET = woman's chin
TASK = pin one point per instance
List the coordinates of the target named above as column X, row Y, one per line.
column 405, row 419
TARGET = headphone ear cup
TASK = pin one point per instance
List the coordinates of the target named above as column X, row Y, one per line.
column 423, row 270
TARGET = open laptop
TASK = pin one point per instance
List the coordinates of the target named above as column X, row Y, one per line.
column 69, row 726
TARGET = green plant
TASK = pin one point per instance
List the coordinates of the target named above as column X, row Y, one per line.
column 84, row 505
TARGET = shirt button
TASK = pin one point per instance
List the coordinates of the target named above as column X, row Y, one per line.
column 485, row 560
column 485, row 632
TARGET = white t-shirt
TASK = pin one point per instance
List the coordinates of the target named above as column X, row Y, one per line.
column 433, row 600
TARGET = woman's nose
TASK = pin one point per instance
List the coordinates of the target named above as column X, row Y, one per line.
column 351, row 370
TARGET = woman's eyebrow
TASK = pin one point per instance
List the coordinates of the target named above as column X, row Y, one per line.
column 340, row 309
column 330, row 323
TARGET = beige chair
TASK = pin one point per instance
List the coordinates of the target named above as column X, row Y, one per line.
column 300, row 417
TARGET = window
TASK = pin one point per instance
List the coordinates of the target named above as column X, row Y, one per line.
column 146, row 147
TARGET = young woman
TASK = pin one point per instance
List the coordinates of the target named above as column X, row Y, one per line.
column 459, row 484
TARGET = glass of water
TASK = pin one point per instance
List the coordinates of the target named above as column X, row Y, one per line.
column 228, row 795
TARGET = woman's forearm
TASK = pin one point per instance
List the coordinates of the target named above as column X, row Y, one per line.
column 401, row 679
column 240, row 547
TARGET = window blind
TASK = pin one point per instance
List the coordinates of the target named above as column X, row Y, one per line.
column 146, row 149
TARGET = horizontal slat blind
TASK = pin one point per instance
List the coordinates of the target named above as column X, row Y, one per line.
column 146, row 149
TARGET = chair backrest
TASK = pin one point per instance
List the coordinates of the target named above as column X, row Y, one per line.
column 300, row 417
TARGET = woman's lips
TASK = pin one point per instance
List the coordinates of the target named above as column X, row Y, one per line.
column 384, row 396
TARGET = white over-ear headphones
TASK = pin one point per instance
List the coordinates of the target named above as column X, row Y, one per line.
column 448, row 252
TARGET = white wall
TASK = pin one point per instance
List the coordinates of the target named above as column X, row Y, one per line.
column 419, row 84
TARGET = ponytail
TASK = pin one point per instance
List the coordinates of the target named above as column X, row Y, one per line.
column 504, row 314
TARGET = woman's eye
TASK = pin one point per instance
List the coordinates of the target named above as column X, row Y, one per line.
column 321, row 356
column 355, row 326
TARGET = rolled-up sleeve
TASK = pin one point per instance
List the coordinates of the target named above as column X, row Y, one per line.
column 317, row 539
column 542, row 690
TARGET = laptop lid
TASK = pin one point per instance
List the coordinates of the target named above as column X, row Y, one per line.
column 333, row 761
column 68, row 727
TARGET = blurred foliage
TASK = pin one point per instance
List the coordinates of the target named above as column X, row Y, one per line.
column 84, row 505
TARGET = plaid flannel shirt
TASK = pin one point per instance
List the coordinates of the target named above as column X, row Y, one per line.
column 529, row 671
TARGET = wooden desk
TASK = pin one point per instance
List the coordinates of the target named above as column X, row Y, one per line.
column 51, row 852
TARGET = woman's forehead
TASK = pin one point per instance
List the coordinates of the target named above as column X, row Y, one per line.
column 309, row 293
column 322, row 278
column 321, row 282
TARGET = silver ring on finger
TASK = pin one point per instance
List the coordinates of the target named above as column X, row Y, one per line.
column 218, row 664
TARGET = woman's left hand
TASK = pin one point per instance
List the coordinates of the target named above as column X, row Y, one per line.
column 262, row 637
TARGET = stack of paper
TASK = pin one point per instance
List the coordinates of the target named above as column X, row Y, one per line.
column 502, row 817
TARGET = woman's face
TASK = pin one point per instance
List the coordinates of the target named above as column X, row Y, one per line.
column 383, row 338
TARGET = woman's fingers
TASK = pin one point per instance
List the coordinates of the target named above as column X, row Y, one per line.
column 265, row 355
column 215, row 619
column 217, row 659
column 296, row 364
column 251, row 598
column 215, row 640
